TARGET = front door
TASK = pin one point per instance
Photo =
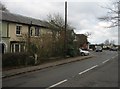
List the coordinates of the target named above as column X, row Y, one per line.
column 2, row 48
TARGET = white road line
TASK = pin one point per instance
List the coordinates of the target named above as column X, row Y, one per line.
column 109, row 59
column 114, row 57
column 57, row 84
column 105, row 61
column 88, row 69
column 79, row 74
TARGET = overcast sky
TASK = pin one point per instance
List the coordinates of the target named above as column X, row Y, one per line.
column 82, row 15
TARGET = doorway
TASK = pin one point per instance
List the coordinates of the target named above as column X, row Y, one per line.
column 2, row 48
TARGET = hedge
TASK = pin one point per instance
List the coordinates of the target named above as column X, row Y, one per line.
column 16, row 59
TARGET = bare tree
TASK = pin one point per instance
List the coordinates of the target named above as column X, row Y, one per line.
column 113, row 14
column 112, row 42
column 57, row 23
column 3, row 7
column 107, row 42
column 56, row 20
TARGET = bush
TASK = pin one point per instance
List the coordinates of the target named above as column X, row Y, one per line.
column 16, row 59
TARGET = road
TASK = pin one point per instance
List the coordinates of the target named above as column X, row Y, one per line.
column 99, row 71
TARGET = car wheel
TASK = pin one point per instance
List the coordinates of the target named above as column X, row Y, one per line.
column 82, row 54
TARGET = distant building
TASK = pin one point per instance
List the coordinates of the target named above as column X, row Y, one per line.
column 92, row 46
column 82, row 41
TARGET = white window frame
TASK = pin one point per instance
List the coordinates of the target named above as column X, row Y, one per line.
column 31, row 34
column 20, row 29
column 37, row 29
column 15, row 48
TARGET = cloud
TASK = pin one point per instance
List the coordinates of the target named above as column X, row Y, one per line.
column 81, row 14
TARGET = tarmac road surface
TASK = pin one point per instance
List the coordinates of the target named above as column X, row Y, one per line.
column 99, row 71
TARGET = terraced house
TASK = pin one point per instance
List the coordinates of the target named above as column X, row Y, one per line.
column 12, row 28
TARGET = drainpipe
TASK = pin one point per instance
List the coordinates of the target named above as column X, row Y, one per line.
column 28, row 50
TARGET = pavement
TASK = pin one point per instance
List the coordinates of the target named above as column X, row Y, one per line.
column 13, row 72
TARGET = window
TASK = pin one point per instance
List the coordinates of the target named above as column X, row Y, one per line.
column 31, row 32
column 18, row 30
column 12, row 47
column 36, row 31
column 16, row 47
column 2, row 48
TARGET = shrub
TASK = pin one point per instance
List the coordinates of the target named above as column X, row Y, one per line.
column 16, row 59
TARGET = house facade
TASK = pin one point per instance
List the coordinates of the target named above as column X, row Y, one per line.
column 13, row 27
column 82, row 41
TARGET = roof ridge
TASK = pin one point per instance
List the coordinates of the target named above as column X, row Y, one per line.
column 8, row 16
column 20, row 15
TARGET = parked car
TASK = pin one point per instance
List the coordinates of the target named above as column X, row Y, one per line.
column 90, row 49
column 84, row 52
column 98, row 49
column 113, row 49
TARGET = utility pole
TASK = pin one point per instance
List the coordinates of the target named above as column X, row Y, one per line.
column 65, row 40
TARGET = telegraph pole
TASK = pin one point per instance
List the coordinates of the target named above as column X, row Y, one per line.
column 65, row 40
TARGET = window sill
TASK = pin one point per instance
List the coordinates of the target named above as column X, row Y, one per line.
column 5, row 37
column 36, row 36
column 18, row 35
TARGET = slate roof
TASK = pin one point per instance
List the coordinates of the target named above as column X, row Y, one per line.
column 7, row 16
